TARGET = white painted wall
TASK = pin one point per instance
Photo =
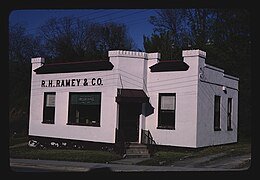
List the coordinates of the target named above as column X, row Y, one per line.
column 105, row 133
column 128, row 72
column 184, row 84
column 194, row 103
column 130, row 68
column 206, row 134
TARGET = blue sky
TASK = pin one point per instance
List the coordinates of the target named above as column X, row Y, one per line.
column 135, row 19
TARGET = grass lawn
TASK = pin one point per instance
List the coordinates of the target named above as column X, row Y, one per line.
column 14, row 140
column 168, row 157
column 63, row 154
column 24, row 151
column 160, row 157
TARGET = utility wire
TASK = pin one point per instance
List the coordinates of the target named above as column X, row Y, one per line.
column 98, row 17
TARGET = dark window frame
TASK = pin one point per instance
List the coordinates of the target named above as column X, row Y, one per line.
column 47, row 109
column 161, row 112
column 217, row 113
column 89, row 123
column 229, row 114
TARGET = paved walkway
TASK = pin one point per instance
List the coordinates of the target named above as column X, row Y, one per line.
column 215, row 161
column 129, row 165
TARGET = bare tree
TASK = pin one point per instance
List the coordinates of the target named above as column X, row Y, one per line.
column 223, row 33
column 68, row 39
column 22, row 47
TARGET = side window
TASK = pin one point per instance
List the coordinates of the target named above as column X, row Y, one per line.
column 217, row 113
column 229, row 114
column 49, row 107
column 166, row 111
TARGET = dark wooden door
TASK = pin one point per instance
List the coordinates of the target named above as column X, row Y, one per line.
column 129, row 120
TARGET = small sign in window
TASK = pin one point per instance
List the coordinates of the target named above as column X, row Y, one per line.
column 167, row 102
column 50, row 101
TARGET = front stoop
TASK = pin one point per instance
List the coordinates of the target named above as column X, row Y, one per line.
column 137, row 150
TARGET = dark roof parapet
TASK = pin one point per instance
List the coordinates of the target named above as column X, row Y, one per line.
column 82, row 66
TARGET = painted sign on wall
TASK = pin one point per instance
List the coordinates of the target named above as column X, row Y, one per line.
column 72, row 82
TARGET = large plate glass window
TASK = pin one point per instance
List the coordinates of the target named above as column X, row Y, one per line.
column 84, row 108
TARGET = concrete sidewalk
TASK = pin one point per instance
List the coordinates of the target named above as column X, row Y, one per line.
column 128, row 165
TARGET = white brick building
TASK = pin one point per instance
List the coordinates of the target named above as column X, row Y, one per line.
column 184, row 103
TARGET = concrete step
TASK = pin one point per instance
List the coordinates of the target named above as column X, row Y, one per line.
column 137, row 146
column 129, row 161
column 136, row 150
column 133, row 155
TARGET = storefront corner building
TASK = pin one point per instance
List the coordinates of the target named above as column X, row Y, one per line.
column 134, row 97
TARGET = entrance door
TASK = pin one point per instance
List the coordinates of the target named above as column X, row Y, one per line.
column 129, row 120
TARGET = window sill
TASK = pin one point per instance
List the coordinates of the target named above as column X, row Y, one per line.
column 230, row 129
column 91, row 125
column 167, row 128
column 217, row 129
column 47, row 122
